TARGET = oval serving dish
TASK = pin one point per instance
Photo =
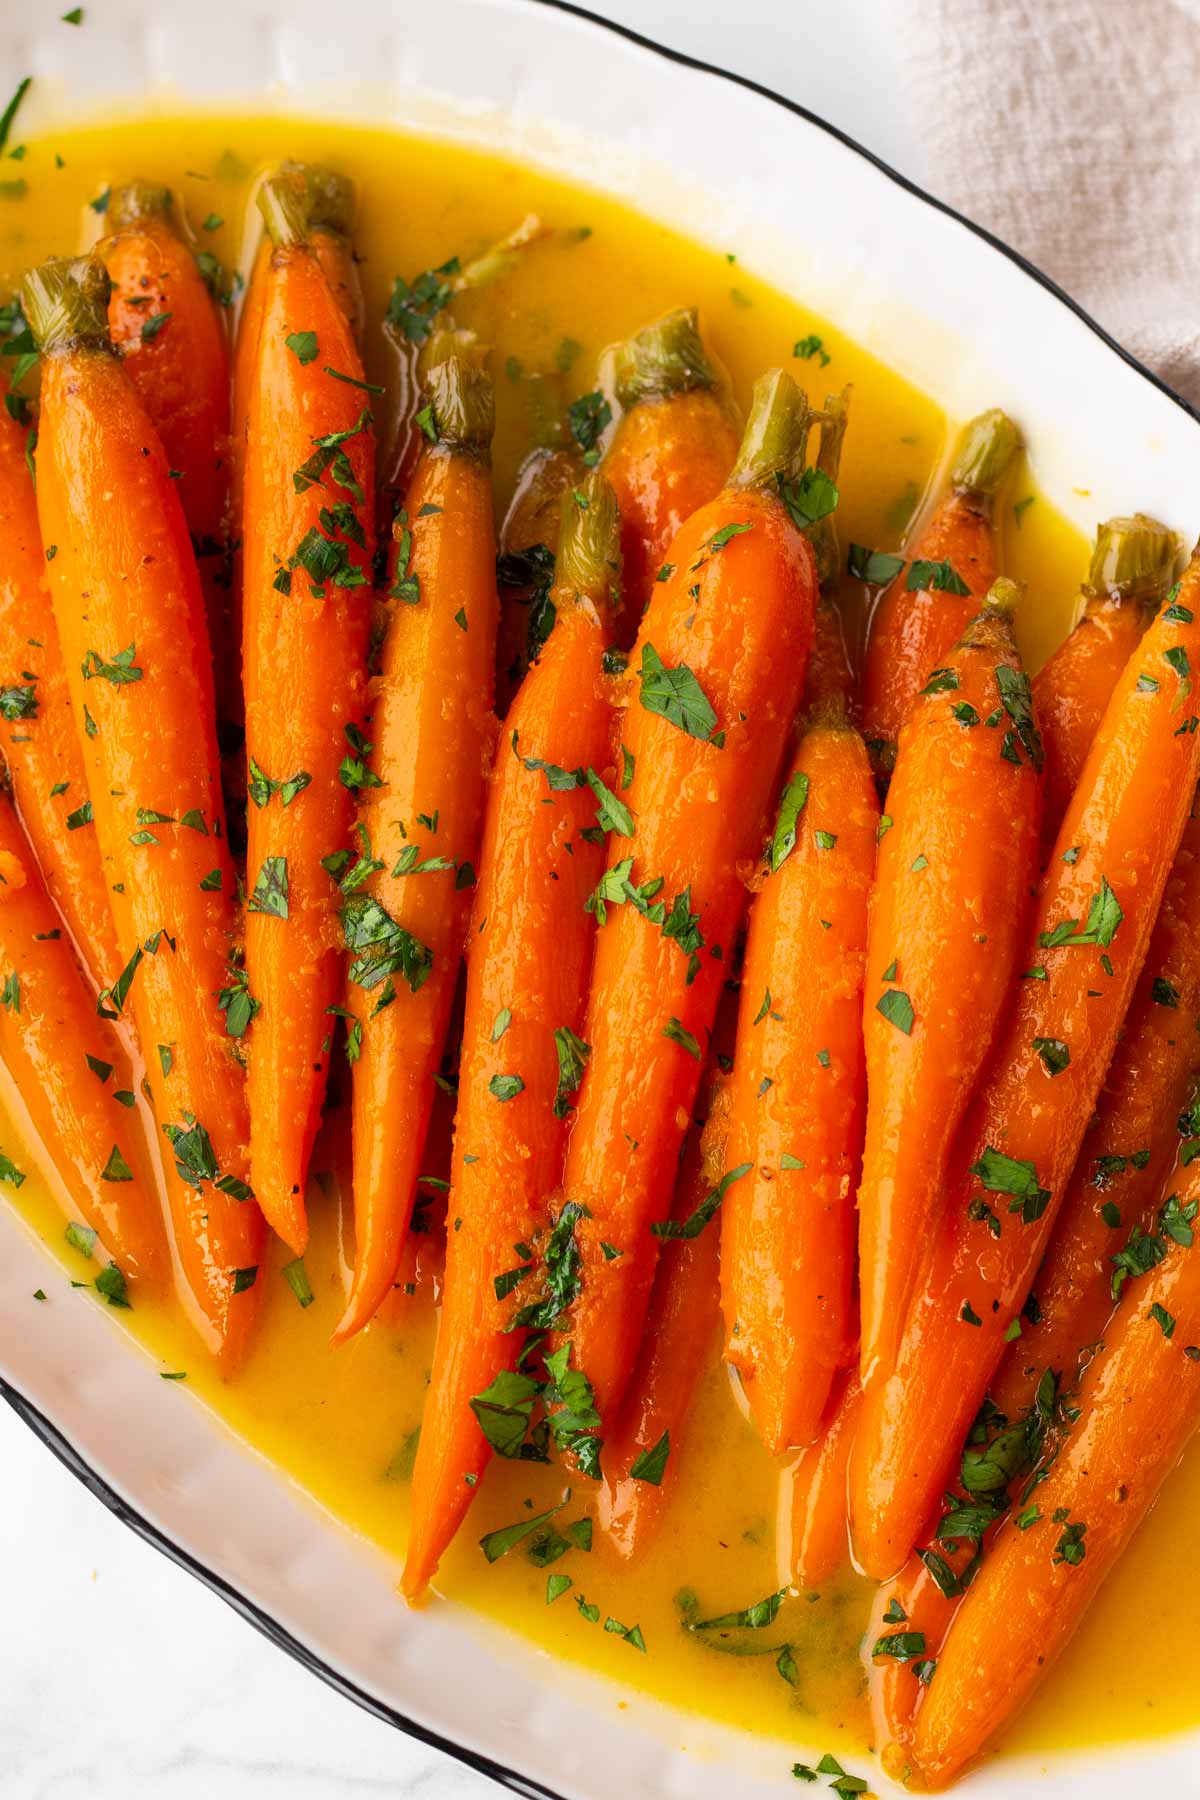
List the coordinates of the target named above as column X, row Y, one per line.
column 954, row 312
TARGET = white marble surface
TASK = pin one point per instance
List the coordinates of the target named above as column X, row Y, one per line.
column 122, row 1678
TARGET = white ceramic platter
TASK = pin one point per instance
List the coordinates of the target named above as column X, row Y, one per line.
column 961, row 317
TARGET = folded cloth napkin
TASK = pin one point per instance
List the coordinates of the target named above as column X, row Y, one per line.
column 1071, row 128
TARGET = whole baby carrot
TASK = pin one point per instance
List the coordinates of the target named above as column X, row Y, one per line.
column 967, row 778
column 797, row 1094
column 926, row 608
column 306, row 522
column 672, row 449
column 405, row 924
column 642, row 1456
column 1130, row 571
column 1126, row 1150
column 40, row 744
column 1092, row 924
column 1138, row 1407
column 820, row 1542
column 168, row 328
column 522, row 1054
column 798, row 1091
column 130, row 615
column 719, row 667
column 71, row 1074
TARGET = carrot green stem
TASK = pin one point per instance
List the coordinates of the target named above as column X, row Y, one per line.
column 822, row 535
column 663, row 359
column 776, row 433
column 500, row 260
column 458, row 392
column 589, row 545
column 66, row 303
column 300, row 199
column 994, row 621
column 985, row 449
column 1134, row 559
column 136, row 201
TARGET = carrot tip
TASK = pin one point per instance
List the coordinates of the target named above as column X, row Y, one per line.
column 776, row 433
column 138, row 200
column 663, row 359
column 589, row 546
column 66, row 303
column 1004, row 594
column 300, row 199
column 458, row 390
column 1134, row 559
column 822, row 534
column 985, row 449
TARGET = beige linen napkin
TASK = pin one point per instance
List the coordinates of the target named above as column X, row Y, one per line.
column 1071, row 128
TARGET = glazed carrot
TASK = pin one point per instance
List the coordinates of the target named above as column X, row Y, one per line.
column 1130, row 571
column 329, row 200
column 130, row 615
column 1139, row 1405
column 406, row 925
column 798, row 1088
column 923, row 613
column 1095, row 913
column 672, row 450
column 720, row 665
column 820, row 1543
column 641, row 1461
column 525, row 566
column 527, row 973
column 1127, row 1149
column 798, row 1091
column 952, row 894
column 67, row 1067
column 168, row 328
column 38, row 735
column 307, row 507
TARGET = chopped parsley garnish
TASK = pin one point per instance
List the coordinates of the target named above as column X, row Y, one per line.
column 676, row 695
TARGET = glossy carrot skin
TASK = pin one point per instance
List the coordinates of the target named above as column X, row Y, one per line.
column 126, row 577
column 948, row 919
column 1130, row 573
column 671, row 452
column 1139, row 1406
column 1149, row 1082
column 47, row 1031
column 432, row 729
column 700, row 812
column 1126, row 819
column 830, row 675
column 41, row 749
column 820, row 1542
column 894, row 1686
column 530, row 953
column 798, row 1096
column 304, row 673
column 911, row 632
column 179, row 368
column 331, row 204
column 682, row 1322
